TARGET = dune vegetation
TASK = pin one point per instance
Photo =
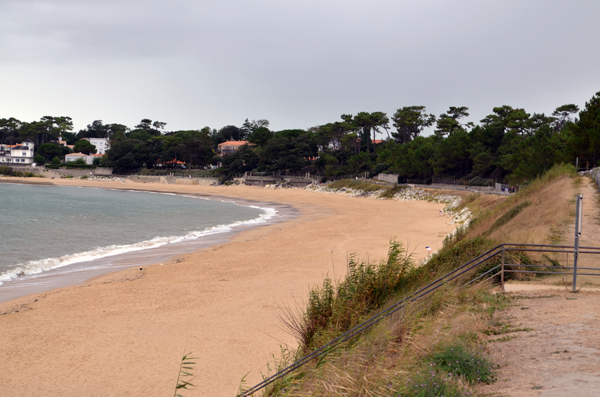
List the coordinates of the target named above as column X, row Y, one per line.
column 437, row 345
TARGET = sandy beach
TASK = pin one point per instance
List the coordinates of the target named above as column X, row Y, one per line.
column 123, row 333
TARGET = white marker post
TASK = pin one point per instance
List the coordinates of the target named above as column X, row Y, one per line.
column 578, row 222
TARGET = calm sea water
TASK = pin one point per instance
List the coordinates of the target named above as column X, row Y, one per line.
column 48, row 227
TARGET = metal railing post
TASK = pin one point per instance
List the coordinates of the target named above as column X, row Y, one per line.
column 578, row 219
column 502, row 271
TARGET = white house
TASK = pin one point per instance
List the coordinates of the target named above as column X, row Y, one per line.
column 89, row 159
column 21, row 153
column 101, row 144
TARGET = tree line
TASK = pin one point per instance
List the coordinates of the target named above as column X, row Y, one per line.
column 509, row 144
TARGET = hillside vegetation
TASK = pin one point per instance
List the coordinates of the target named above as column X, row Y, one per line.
column 508, row 145
column 437, row 345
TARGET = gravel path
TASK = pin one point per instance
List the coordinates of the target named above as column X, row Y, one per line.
column 554, row 350
column 557, row 350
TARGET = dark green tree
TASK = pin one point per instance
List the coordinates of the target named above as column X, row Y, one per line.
column 409, row 122
column 249, row 127
column 260, row 136
column 367, row 122
column 10, row 130
column 84, row 146
column 448, row 123
column 585, row 133
column 50, row 150
column 563, row 114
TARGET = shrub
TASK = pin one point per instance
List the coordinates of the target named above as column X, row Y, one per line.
column 458, row 360
column 38, row 159
column 355, row 184
column 390, row 192
column 478, row 181
column 432, row 384
column 366, row 287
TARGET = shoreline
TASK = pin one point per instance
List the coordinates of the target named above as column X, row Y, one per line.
column 66, row 276
column 220, row 303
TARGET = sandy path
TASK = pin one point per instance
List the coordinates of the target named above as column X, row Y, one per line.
column 560, row 355
column 123, row 334
column 559, row 352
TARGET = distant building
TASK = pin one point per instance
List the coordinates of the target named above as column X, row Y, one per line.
column 230, row 147
column 89, row 159
column 21, row 153
column 101, row 144
column 62, row 142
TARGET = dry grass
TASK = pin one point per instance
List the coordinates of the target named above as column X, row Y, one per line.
column 384, row 357
column 460, row 193
column 389, row 353
column 356, row 184
column 539, row 223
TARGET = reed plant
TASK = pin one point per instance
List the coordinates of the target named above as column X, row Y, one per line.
column 335, row 307
column 185, row 376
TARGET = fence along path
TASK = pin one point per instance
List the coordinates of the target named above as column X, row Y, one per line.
column 458, row 276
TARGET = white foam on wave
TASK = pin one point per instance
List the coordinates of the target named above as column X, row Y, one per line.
column 38, row 266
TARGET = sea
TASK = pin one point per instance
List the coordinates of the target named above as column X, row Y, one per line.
column 56, row 230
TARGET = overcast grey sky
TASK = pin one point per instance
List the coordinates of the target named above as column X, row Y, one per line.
column 295, row 63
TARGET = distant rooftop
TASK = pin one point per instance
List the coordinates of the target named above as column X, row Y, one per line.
column 234, row 143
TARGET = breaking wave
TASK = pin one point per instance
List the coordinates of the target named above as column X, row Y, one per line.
column 42, row 265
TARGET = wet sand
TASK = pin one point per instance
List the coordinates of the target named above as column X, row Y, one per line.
column 80, row 272
column 124, row 333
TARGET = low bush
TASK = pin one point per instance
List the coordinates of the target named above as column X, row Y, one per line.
column 75, row 164
column 433, row 383
column 356, row 184
column 390, row 192
column 470, row 364
column 478, row 181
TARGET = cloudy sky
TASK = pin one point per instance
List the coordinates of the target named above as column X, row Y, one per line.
column 295, row 63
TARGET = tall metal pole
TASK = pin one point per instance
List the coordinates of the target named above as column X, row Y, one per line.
column 578, row 220
column 502, row 273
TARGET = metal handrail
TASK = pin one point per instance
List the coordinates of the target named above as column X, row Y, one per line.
column 431, row 287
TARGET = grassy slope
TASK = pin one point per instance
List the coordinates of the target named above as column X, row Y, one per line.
column 401, row 354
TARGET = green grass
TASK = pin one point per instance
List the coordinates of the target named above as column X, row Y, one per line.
column 433, row 383
column 356, row 184
column 509, row 215
column 501, row 328
column 459, row 360
column 390, row 192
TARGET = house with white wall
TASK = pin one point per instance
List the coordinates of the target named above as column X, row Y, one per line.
column 19, row 154
column 101, row 144
column 89, row 159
